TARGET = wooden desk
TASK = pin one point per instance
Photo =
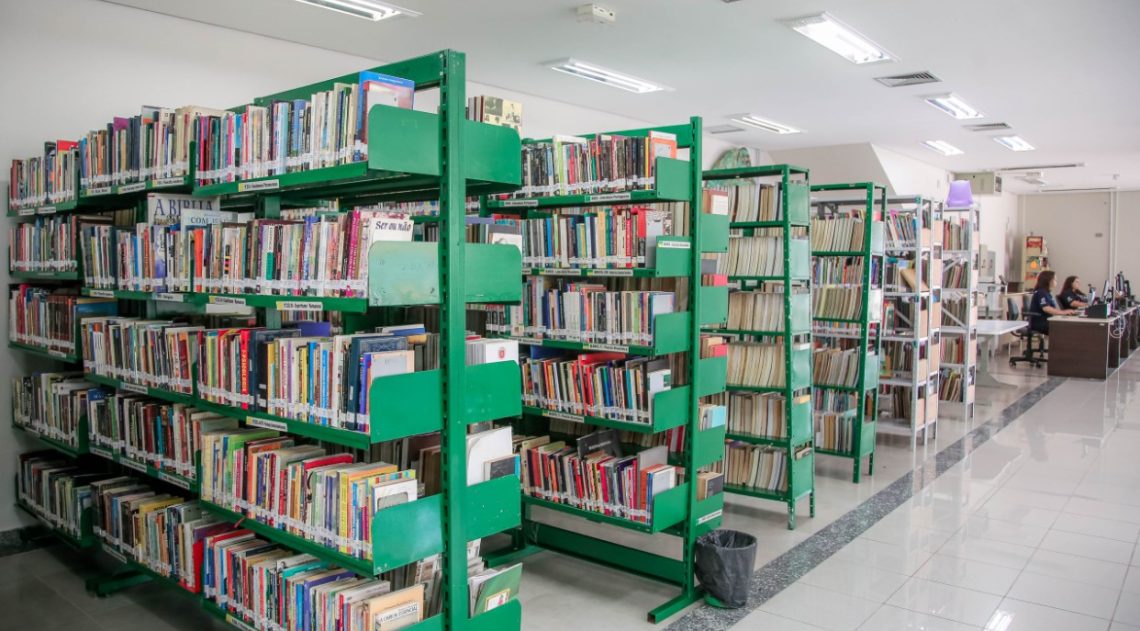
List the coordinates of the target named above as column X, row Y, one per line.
column 1083, row 347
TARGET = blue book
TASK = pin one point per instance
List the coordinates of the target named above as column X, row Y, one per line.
column 358, row 348
column 314, row 329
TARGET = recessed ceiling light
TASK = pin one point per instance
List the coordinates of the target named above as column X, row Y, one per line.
column 943, row 147
column 612, row 78
column 1014, row 143
column 367, row 9
column 953, row 105
column 839, row 38
column 762, row 123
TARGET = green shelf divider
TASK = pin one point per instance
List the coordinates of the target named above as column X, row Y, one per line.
column 669, row 508
column 407, row 274
column 669, row 329
column 30, row 275
column 157, row 393
column 44, row 352
column 49, row 209
column 61, row 447
column 708, row 446
column 669, row 411
column 149, row 470
column 86, row 538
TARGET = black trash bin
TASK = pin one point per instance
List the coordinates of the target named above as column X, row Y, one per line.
column 724, row 560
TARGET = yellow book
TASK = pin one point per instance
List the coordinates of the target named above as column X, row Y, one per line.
column 346, row 479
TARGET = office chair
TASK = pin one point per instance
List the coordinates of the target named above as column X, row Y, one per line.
column 1033, row 356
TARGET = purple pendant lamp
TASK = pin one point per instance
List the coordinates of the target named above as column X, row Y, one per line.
column 960, row 195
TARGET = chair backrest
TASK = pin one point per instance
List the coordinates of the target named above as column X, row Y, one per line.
column 1014, row 310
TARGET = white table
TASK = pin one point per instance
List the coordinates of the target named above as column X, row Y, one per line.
column 990, row 331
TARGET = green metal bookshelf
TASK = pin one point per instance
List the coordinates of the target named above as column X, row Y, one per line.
column 677, row 511
column 796, row 441
column 863, row 333
column 412, row 155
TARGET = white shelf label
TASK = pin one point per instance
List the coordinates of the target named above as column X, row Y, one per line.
column 132, row 188
column 564, row 416
column 167, row 181
column 557, row 271
column 101, row 190
column 263, row 185
column 131, row 464
column 519, row 203
column 295, row 305
column 254, row 421
column 133, row 387
column 675, row 245
column 102, row 453
column 226, row 300
column 115, row 553
column 615, row 348
column 239, row 623
column 101, row 293
column 608, row 197
column 25, row 212
column 45, row 210
column 163, row 296
column 711, row 516
column 175, row 480
column 610, row 272
column 55, row 353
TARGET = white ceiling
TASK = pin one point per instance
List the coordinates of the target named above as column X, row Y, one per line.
column 1056, row 70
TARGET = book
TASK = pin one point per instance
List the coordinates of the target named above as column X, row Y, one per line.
column 494, row 588
column 485, row 447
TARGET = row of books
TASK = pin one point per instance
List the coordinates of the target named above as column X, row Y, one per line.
column 837, row 271
column 605, row 163
column 495, row 110
column 950, row 384
column 758, row 414
column 44, row 245
column 609, row 237
column 836, row 367
column 158, row 354
column 328, row 128
column 56, row 490
column 595, row 475
column 837, row 301
column 838, row 234
column 758, row 310
column 167, row 436
column 591, row 312
column 954, row 349
column 756, row 364
column 955, row 310
column 753, row 256
column 899, row 275
column 152, row 146
column 754, row 466
column 955, row 274
column 672, row 439
column 51, row 404
column 754, row 201
column 901, row 229
column 955, row 235
column 49, row 318
column 605, row 385
column 897, row 359
column 45, row 179
column 834, row 431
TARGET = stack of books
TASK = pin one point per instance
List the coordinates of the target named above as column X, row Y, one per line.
column 954, row 349
column 754, row 466
column 595, row 475
column 607, row 237
column 327, row 129
column 756, row 311
column 51, row 404
column 604, row 385
column 901, row 229
column 837, row 271
column 897, row 360
column 605, row 163
column 836, row 367
column 44, row 245
column 55, row 489
column 48, row 318
column 754, row 201
column 839, row 234
column 756, row 364
column 46, row 179
column 754, row 256
column 590, row 312
column 757, row 414
column 164, row 435
column 955, row 235
column 158, row 354
column 153, row 146
column 841, row 302
column 955, row 310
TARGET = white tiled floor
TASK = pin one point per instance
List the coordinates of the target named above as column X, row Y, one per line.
column 1039, row 526
column 1036, row 530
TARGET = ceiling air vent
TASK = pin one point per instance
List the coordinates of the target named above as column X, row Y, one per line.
column 722, row 129
column 914, row 78
column 989, row 127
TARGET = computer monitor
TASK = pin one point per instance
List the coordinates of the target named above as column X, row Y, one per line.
column 1106, row 292
column 1092, row 296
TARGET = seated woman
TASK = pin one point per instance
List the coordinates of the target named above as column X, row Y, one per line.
column 1042, row 306
column 1071, row 296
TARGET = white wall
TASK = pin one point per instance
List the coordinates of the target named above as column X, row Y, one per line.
column 1076, row 227
column 907, row 176
column 1000, row 231
column 60, row 82
column 836, row 163
column 1124, row 232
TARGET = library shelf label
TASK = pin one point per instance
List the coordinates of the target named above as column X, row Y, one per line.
column 295, row 305
column 711, row 516
column 168, row 181
column 101, row 293
column 131, row 464
column 519, row 203
column 133, row 387
column 173, row 479
column 263, row 185
column 226, row 300
column 132, row 188
column 45, row 210
column 609, row 197
column 263, row 423
column 165, row 296
column 24, row 212
column 675, row 245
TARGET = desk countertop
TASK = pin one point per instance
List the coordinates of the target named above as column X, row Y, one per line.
column 1000, row 327
column 1084, row 320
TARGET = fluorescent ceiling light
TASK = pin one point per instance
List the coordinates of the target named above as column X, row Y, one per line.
column 762, row 123
column 953, row 105
column 1014, row 143
column 367, row 9
column 612, row 78
column 839, row 38
column 943, row 147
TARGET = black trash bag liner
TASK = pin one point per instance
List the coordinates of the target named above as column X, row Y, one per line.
column 724, row 560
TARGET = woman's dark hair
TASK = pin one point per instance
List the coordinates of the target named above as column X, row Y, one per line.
column 1068, row 286
column 1044, row 279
